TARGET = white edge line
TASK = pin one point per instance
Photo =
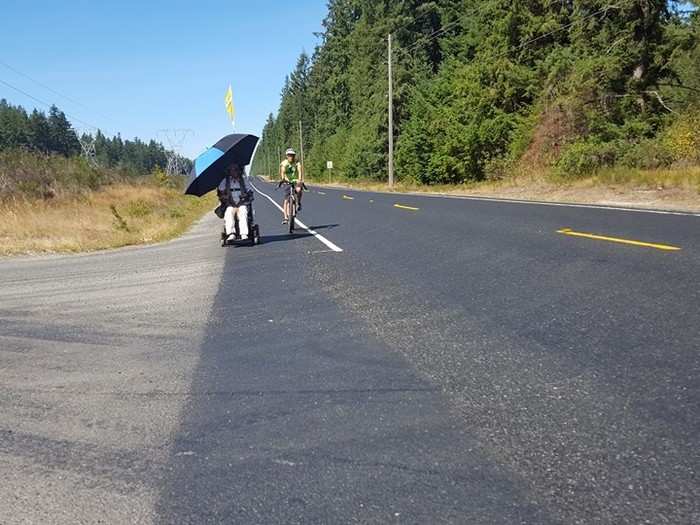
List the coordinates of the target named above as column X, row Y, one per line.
column 523, row 201
column 329, row 244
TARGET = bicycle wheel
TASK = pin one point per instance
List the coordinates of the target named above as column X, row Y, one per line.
column 292, row 213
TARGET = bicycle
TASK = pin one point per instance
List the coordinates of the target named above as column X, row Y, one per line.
column 293, row 204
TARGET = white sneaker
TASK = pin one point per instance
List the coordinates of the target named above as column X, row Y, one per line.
column 244, row 237
column 231, row 237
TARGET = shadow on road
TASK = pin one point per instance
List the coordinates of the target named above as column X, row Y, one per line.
column 300, row 234
column 318, row 421
column 266, row 239
column 324, row 227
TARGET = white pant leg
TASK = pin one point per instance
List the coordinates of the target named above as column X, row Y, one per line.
column 229, row 220
column 243, row 221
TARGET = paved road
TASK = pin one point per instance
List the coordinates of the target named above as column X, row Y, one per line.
column 458, row 362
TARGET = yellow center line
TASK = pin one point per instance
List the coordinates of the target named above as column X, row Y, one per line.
column 665, row 247
column 402, row 207
column 348, row 198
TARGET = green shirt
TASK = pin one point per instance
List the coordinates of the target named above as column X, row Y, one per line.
column 291, row 170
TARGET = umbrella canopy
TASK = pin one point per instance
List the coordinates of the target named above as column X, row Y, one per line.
column 210, row 167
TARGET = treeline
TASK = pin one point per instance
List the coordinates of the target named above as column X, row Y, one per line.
column 53, row 134
column 486, row 88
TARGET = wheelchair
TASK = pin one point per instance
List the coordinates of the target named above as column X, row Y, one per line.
column 253, row 227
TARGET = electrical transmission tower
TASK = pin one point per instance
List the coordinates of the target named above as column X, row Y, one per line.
column 175, row 138
column 87, row 145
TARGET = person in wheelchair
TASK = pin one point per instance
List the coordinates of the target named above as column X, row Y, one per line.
column 235, row 198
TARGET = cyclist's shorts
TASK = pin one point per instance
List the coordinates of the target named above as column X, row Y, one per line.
column 288, row 189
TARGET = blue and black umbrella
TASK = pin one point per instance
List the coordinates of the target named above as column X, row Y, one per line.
column 210, row 167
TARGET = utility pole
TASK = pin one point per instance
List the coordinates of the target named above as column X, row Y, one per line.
column 269, row 173
column 301, row 144
column 391, row 119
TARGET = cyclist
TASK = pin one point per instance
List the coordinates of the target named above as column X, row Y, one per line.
column 291, row 172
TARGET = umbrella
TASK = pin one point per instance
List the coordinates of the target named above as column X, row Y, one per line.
column 210, row 167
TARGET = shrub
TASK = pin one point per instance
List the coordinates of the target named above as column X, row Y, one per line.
column 646, row 154
column 583, row 158
column 32, row 175
column 176, row 213
column 682, row 138
column 497, row 169
column 160, row 177
column 139, row 208
column 118, row 221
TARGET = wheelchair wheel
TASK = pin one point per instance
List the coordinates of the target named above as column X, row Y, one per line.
column 255, row 235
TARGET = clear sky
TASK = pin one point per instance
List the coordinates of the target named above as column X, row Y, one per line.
column 140, row 66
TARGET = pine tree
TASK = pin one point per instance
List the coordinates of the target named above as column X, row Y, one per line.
column 62, row 139
column 40, row 132
column 474, row 80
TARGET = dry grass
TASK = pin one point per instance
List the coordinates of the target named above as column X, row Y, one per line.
column 117, row 215
column 673, row 189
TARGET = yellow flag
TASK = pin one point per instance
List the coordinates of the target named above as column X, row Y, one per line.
column 230, row 108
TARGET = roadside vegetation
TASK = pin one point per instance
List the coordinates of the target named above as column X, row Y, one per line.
column 496, row 94
column 54, row 200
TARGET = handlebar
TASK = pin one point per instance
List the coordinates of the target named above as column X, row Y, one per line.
column 279, row 184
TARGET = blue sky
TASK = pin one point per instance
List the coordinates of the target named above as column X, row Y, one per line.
column 140, row 66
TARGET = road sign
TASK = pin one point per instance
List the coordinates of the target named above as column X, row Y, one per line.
column 329, row 164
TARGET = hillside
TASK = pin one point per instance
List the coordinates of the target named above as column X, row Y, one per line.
column 495, row 90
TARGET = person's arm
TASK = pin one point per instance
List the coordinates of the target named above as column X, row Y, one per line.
column 246, row 192
column 283, row 175
column 221, row 192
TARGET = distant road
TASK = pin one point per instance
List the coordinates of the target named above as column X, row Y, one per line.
column 410, row 360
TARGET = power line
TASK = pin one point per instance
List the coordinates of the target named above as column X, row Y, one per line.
column 44, row 103
column 550, row 33
column 414, row 21
column 49, row 88
column 176, row 139
column 441, row 31
column 438, row 31
column 432, row 36
column 562, row 28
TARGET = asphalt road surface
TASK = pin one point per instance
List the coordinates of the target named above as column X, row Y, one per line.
column 413, row 360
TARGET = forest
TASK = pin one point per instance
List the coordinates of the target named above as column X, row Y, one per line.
column 485, row 90
column 53, row 134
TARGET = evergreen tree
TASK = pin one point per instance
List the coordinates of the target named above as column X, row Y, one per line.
column 62, row 139
column 55, row 135
column 14, row 126
column 476, row 80
column 40, row 132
